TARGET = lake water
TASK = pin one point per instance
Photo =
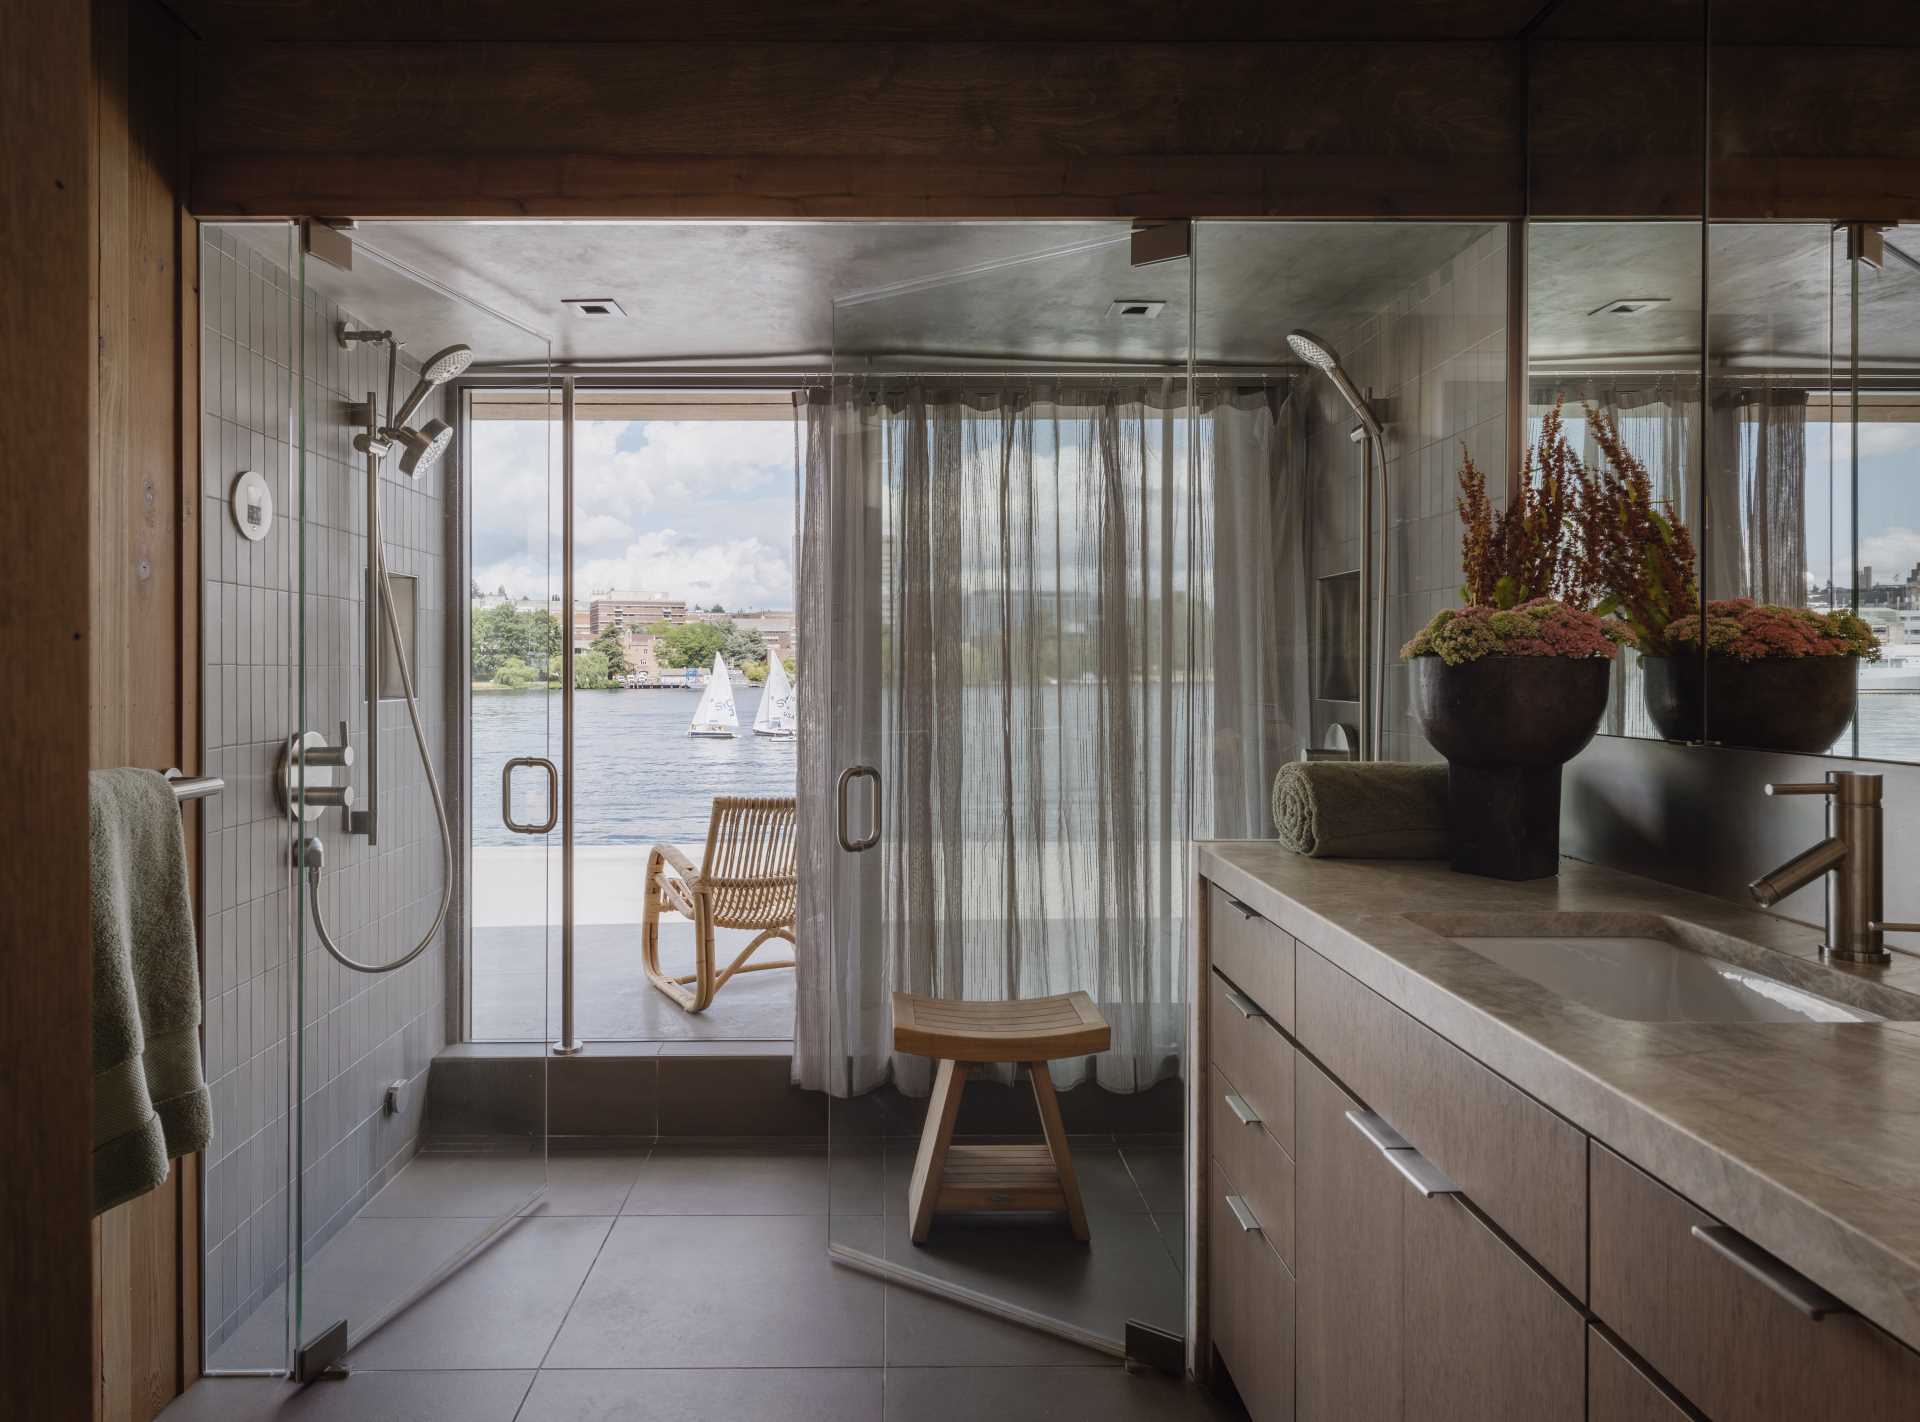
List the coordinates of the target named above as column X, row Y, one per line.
column 639, row 777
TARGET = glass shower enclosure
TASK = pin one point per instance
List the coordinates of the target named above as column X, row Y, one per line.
column 336, row 649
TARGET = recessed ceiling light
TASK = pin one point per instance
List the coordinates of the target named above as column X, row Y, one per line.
column 1629, row 305
column 596, row 307
column 1136, row 310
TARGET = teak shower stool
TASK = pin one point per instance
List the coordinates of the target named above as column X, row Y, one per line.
column 962, row 1035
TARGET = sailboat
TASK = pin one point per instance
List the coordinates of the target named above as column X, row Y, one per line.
column 778, row 715
column 715, row 716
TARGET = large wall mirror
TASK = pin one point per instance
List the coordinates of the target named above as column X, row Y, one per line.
column 1616, row 265
column 1759, row 361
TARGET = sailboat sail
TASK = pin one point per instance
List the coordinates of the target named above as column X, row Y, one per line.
column 715, row 715
column 778, row 713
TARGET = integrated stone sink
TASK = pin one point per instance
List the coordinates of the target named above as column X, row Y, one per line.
column 1650, row 968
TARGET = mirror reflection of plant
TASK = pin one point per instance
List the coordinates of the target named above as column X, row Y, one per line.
column 1753, row 631
column 1526, row 551
column 1632, row 548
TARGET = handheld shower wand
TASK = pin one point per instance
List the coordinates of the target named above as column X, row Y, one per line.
column 422, row 448
column 1373, row 568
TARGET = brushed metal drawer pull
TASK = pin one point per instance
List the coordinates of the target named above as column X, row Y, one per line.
column 1789, row 1283
column 1243, row 1214
column 1242, row 1108
column 1419, row 1172
column 1245, row 1005
column 1239, row 907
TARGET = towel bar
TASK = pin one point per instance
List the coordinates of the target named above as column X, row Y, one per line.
column 193, row 787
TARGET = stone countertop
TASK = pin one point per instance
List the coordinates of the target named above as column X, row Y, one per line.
column 1804, row 1137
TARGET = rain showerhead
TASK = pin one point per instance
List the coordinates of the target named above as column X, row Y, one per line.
column 423, row 447
column 1320, row 356
column 437, row 371
column 1311, row 351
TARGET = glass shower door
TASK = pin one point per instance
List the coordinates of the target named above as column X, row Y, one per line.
column 1000, row 520
column 416, row 1171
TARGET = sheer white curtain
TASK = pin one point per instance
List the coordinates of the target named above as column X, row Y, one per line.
column 1009, row 607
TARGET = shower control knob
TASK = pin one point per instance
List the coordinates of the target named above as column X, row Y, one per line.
column 327, row 755
column 329, row 797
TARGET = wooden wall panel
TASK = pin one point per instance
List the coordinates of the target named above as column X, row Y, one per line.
column 143, row 594
column 875, row 129
column 45, row 360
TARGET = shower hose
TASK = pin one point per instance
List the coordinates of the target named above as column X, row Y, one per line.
column 377, row 543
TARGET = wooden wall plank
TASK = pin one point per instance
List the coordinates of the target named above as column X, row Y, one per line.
column 46, row 362
column 860, row 129
column 146, row 1311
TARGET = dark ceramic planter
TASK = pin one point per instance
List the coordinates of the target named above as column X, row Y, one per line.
column 1506, row 725
column 1780, row 703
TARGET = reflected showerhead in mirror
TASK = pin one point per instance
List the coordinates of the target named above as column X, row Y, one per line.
column 423, row 447
column 438, row 369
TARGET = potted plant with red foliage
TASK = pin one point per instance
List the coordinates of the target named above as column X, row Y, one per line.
column 1512, row 686
column 1782, row 678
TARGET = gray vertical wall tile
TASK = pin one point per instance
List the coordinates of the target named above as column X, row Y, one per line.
column 260, row 334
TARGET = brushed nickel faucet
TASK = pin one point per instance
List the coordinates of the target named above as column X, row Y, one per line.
column 1849, row 857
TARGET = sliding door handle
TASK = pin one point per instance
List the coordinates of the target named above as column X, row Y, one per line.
column 872, row 837
column 1419, row 1172
column 1783, row 1279
column 553, row 795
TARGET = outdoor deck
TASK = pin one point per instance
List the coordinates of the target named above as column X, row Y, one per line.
column 516, row 956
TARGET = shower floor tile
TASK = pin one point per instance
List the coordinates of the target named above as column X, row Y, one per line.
column 442, row 1185
column 709, row 1311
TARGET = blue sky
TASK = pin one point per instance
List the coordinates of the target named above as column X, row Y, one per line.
column 696, row 509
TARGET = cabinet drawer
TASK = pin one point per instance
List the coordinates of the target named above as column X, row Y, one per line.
column 1263, row 1171
column 1487, row 1338
column 1618, row 1391
column 1249, row 1049
column 1728, row 1341
column 1254, row 953
column 1251, row 1306
column 1515, row 1159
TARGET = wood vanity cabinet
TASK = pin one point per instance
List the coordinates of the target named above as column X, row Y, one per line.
column 1348, row 1240
column 1460, row 1253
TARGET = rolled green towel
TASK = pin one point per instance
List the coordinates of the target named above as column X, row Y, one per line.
column 1342, row 809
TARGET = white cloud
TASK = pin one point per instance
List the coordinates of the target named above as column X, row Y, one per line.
column 1891, row 553
column 1880, row 437
column 699, row 509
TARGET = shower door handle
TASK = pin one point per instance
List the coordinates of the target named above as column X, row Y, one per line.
column 847, row 777
column 553, row 795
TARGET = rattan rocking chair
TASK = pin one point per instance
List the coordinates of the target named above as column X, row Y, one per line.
column 746, row 880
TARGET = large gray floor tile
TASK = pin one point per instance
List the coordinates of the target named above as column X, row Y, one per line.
column 450, row 1185
column 717, row 1291
column 365, row 1269
column 857, row 1177
column 501, row 1310
column 723, row 1180
column 1173, row 1234
column 1043, row 1395
column 1124, row 1272
column 362, row 1397
column 1160, row 1172
column 697, row 1394
column 924, row 1331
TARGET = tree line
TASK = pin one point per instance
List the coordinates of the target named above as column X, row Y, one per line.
column 517, row 648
